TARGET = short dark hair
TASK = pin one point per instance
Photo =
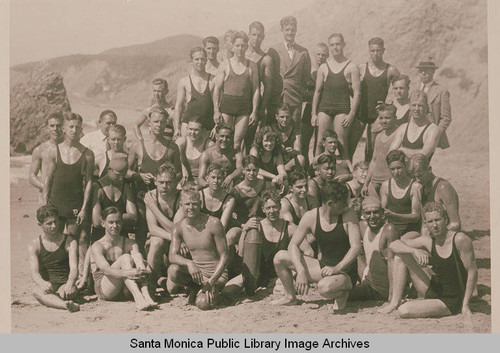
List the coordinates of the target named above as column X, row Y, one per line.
column 120, row 129
column 224, row 127
column 106, row 113
column 54, row 115
column 394, row 156
column 295, row 176
column 215, row 166
column 329, row 133
column 334, row 190
column 160, row 81
column 249, row 159
column 257, row 25
column 210, row 39
column 419, row 160
column 284, row 108
column 360, row 165
column 384, row 107
column 156, row 109
column 326, row 158
column 417, row 95
column 74, row 116
column 168, row 168
column 240, row 35
column 401, row 78
column 336, row 35
column 376, row 41
column 45, row 212
column 270, row 194
column 195, row 50
column 110, row 210
column 321, row 45
column 434, row 206
column 288, row 20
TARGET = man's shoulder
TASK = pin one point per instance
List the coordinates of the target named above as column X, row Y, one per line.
column 462, row 241
column 445, row 186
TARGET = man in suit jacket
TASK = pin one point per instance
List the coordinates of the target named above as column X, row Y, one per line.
column 292, row 69
column 438, row 99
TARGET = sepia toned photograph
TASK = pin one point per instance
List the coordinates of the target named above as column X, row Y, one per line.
column 287, row 166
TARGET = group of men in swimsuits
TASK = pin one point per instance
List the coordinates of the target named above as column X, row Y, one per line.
column 248, row 182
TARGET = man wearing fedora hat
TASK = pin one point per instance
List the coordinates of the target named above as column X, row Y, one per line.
column 438, row 99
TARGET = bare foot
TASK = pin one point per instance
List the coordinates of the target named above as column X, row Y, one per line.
column 286, row 302
column 143, row 306
column 72, row 307
column 389, row 308
column 340, row 303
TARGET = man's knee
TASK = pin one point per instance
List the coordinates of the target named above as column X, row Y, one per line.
column 404, row 311
column 173, row 272
column 280, row 258
column 331, row 284
column 126, row 259
column 156, row 244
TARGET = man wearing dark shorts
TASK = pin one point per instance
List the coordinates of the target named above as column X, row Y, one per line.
column 206, row 273
column 377, row 234
column 442, row 268
column 339, row 246
column 53, row 259
column 68, row 182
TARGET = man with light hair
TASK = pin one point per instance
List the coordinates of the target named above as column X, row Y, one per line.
column 211, row 46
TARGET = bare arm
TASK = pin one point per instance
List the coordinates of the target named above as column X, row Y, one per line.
column 285, row 212
column 137, row 126
column 416, row 206
column 356, row 88
column 448, row 196
column 154, row 229
column 72, row 249
column 267, row 63
column 175, row 248
column 35, row 167
column 130, row 216
column 221, row 245
column 152, row 206
column 409, row 246
column 302, row 230
column 96, row 207
column 227, row 211
column 89, row 173
column 179, row 105
column 136, row 255
column 398, row 138
column 203, row 169
column 390, row 234
column 384, row 189
column 101, row 262
column 219, row 83
column 255, row 89
column 50, row 166
column 33, row 251
column 320, row 78
column 431, row 140
column 466, row 251
column 354, row 234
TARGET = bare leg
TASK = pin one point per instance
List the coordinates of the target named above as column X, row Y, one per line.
column 423, row 308
column 374, row 190
column 54, row 301
column 233, row 287
column 155, row 256
column 342, row 133
column 240, row 130
column 355, row 133
column 325, row 122
column 336, row 287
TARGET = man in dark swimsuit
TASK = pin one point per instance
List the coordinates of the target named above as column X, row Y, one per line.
column 445, row 279
column 376, row 76
column 339, row 246
column 54, row 123
column 436, row 189
column 265, row 68
column 424, row 134
column 112, row 190
column 68, row 183
column 146, row 157
column 116, row 263
column 53, row 259
column 326, row 165
column 161, row 208
column 224, row 154
column 336, row 81
column 292, row 70
column 205, row 274
column 194, row 95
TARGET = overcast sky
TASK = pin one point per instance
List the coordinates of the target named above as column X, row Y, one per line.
column 41, row 29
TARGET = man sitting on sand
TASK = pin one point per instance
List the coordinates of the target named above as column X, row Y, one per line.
column 377, row 234
column 116, row 263
column 53, row 260
column 339, row 246
column 442, row 268
column 206, row 273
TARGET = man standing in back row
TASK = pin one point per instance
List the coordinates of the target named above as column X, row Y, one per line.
column 375, row 78
column 294, row 65
column 438, row 99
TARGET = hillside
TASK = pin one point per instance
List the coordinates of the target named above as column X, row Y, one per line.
column 453, row 35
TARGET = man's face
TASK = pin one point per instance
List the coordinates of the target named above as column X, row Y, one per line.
column 224, row 139
column 113, row 224
column 271, row 210
column 106, row 122
column 435, row 223
column 165, row 183
column 212, row 49
column 250, row 172
column 255, row 37
column 327, row 171
column 55, row 129
column 299, row 189
column 423, row 175
column 330, row 145
column 336, row 46
column 289, row 31
column 50, row 225
column 190, row 206
column 73, row 129
column 400, row 89
column 320, row 54
column 239, row 47
column 397, row 169
column 194, row 130
column 426, row 75
column 159, row 92
column 117, row 175
column 215, row 179
column 116, row 141
column 373, row 216
column 418, row 108
column 157, row 123
column 385, row 118
column 199, row 60
column 284, row 119
column 360, row 175
column 376, row 52
column 229, row 45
